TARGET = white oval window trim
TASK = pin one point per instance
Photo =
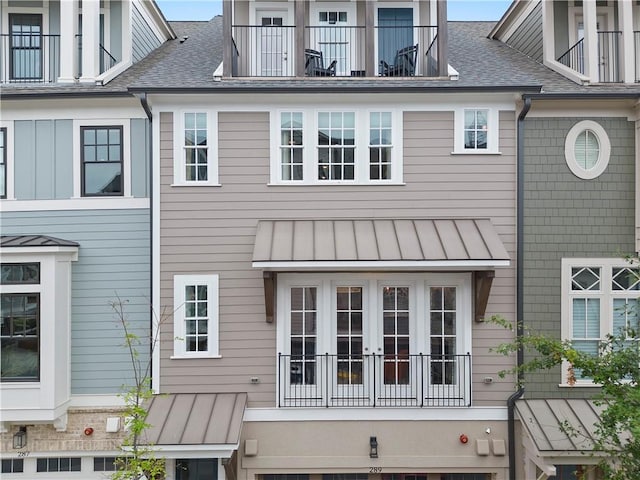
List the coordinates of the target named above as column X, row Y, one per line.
column 603, row 155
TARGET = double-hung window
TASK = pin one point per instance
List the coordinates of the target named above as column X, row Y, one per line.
column 600, row 297
column 102, row 161
column 476, row 130
column 195, row 140
column 20, row 322
column 347, row 146
column 196, row 316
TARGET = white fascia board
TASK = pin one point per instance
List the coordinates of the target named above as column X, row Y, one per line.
column 97, row 401
column 84, row 203
column 463, row 265
column 374, row 414
column 72, row 252
column 195, row 451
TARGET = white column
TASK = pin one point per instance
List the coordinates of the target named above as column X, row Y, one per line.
column 591, row 60
column 68, row 43
column 90, row 40
column 126, row 32
column 628, row 53
column 548, row 27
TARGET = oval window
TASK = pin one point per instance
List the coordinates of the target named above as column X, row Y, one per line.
column 587, row 149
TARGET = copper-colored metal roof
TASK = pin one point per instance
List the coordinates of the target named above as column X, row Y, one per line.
column 375, row 240
column 195, row 419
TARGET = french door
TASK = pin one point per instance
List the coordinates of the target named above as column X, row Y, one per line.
column 25, row 46
column 333, row 34
column 274, row 42
column 364, row 342
column 395, row 32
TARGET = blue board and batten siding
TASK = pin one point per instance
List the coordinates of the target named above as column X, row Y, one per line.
column 113, row 261
column 143, row 39
column 528, row 37
column 45, row 150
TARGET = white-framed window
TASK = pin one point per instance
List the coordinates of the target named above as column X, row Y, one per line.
column 6, row 157
column 195, row 148
column 587, row 149
column 364, row 339
column 196, row 316
column 102, row 158
column 599, row 297
column 476, row 130
column 35, row 290
column 350, row 146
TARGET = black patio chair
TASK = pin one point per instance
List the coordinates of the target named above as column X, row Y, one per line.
column 404, row 65
column 314, row 64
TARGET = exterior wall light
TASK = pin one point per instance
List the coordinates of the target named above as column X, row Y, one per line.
column 373, row 447
column 20, row 438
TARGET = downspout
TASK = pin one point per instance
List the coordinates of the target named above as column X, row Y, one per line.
column 511, row 401
column 147, row 110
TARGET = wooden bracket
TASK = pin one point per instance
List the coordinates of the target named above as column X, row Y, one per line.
column 482, row 280
column 269, row 295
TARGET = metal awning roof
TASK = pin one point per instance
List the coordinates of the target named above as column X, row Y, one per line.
column 542, row 419
column 195, row 423
column 34, row 241
column 471, row 243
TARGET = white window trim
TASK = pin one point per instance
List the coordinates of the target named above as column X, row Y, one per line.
column 179, row 284
column 179, row 174
column 605, row 294
column 493, row 131
column 126, row 155
column 50, row 395
column 418, row 283
column 9, row 149
column 603, row 156
column 309, row 148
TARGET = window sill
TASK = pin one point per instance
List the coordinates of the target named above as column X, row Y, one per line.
column 75, row 203
column 191, row 357
column 579, row 385
column 195, row 184
column 475, row 152
column 18, row 385
column 335, row 183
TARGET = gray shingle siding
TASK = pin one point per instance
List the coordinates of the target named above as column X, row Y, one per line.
column 565, row 217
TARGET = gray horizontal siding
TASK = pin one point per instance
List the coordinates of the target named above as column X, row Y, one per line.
column 221, row 224
column 143, row 39
column 565, row 216
column 528, row 37
column 45, row 152
column 113, row 261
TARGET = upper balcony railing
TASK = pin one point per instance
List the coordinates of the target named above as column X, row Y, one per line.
column 29, row 58
column 341, row 51
column 397, row 380
column 609, row 50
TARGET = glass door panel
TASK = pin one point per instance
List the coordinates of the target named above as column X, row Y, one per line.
column 25, row 46
column 395, row 32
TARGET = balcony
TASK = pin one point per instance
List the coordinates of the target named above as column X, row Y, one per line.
column 106, row 60
column 609, row 63
column 29, row 58
column 272, row 51
column 369, row 381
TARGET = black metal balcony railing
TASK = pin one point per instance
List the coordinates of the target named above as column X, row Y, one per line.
column 609, row 56
column 415, row 380
column 574, row 57
column 29, row 58
column 264, row 51
column 609, row 70
column 270, row 51
column 106, row 60
column 345, row 45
